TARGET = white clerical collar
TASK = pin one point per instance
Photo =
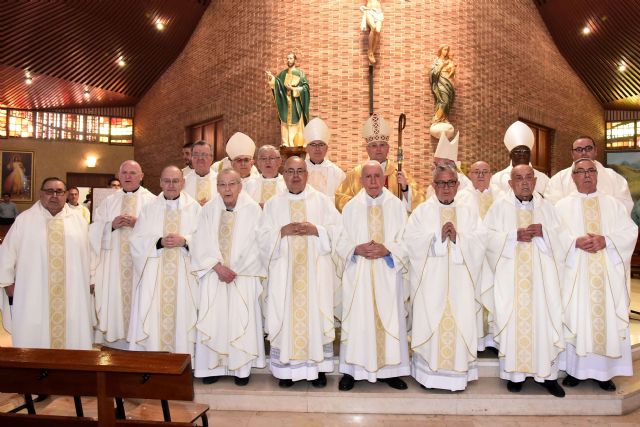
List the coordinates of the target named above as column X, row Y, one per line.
column 203, row 176
column 300, row 196
column 588, row 196
column 525, row 204
column 269, row 179
column 317, row 164
column 486, row 190
column 444, row 205
column 130, row 193
column 374, row 201
column 171, row 204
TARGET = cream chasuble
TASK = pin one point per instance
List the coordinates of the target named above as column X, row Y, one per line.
column 129, row 207
column 47, row 257
column 325, row 177
column 374, row 339
column 168, row 283
column 230, row 336
column 595, row 287
column 444, row 276
column 201, row 188
column 262, row 189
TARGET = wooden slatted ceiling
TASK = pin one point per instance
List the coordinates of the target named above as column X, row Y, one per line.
column 73, row 44
column 614, row 37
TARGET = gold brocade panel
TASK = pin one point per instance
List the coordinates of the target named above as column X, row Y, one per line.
column 596, row 274
column 128, row 207
column 57, row 282
column 447, row 328
column 203, row 188
column 318, row 179
column 524, row 298
column 169, row 283
column 375, row 222
column 486, row 200
column 300, row 285
column 268, row 190
column 225, row 235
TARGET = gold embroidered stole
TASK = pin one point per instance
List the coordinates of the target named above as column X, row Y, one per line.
column 203, row 188
column 447, row 327
column 128, row 207
column 57, row 274
column 225, row 235
column 596, row 274
column 375, row 222
column 169, row 283
column 300, row 285
column 268, row 190
column 318, row 179
column 485, row 202
column 524, row 297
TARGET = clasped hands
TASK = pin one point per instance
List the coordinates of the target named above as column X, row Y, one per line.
column 448, row 230
column 591, row 243
column 173, row 240
column 527, row 234
column 371, row 250
column 123, row 221
column 299, row 229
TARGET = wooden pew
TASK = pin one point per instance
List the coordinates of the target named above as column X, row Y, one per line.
column 105, row 375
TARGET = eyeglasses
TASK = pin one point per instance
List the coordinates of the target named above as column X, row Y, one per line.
column 295, row 171
column 200, row 155
column 268, row 159
column 483, row 172
column 443, row 184
column 242, row 161
column 227, row 184
column 375, row 146
column 590, row 171
column 586, row 149
column 175, row 181
column 52, row 192
column 317, row 145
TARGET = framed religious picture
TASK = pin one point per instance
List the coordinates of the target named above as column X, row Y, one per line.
column 627, row 164
column 17, row 175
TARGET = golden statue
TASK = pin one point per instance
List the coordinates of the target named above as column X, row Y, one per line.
column 372, row 18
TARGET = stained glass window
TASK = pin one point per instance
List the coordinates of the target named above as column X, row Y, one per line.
column 121, row 131
column 3, row 123
column 21, row 124
column 622, row 135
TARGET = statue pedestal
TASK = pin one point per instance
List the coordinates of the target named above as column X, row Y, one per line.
column 436, row 130
column 286, row 152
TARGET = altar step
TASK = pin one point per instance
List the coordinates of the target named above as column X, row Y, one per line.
column 487, row 396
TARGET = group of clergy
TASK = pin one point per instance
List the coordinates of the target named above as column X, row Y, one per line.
column 536, row 268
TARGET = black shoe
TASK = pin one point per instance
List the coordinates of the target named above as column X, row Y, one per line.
column 346, row 383
column 210, row 380
column 570, row 381
column 241, row 381
column 321, row 381
column 607, row 385
column 514, row 387
column 553, row 388
column 285, row 383
column 394, row 382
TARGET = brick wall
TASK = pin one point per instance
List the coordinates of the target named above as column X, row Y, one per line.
column 509, row 68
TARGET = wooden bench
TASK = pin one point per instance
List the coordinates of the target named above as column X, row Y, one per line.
column 105, row 375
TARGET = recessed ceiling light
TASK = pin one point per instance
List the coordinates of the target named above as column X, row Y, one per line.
column 28, row 80
column 586, row 30
column 86, row 93
column 121, row 61
column 622, row 67
column 160, row 26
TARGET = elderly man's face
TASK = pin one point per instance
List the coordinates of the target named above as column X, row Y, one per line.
column 269, row 162
column 295, row 175
column 242, row 165
column 130, row 176
column 229, row 187
column 523, row 181
column 171, row 182
column 446, row 186
column 72, row 197
column 520, row 155
column 372, row 180
column 53, row 196
column 378, row 151
column 480, row 175
column 583, row 148
column 585, row 176
column 201, row 159
column 317, row 151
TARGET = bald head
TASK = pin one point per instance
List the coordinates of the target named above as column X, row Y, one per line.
column 130, row 175
column 523, row 181
column 295, row 174
column 480, row 175
column 372, row 178
column 171, row 182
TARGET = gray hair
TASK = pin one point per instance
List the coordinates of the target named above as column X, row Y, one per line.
column 201, row 142
column 445, row 168
column 581, row 159
column 266, row 148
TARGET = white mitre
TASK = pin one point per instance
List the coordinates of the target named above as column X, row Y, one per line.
column 240, row 145
column 447, row 149
column 316, row 130
column 375, row 129
column 518, row 134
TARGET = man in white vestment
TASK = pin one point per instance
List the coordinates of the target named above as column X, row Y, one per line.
column 44, row 267
column 269, row 182
column 445, row 245
column 372, row 260
column 297, row 235
column 200, row 184
column 111, row 256
column 447, row 155
column 609, row 181
column 376, row 132
column 241, row 150
column 324, row 175
column 226, row 259
column 522, row 248
column 73, row 197
column 482, row 194
column 519, row 140
column 163, row 315
column 186, row 156
column 595, row 290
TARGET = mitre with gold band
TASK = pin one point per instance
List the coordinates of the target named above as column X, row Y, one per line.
column 375, row 129
column 240, row 145
column 518, row 134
